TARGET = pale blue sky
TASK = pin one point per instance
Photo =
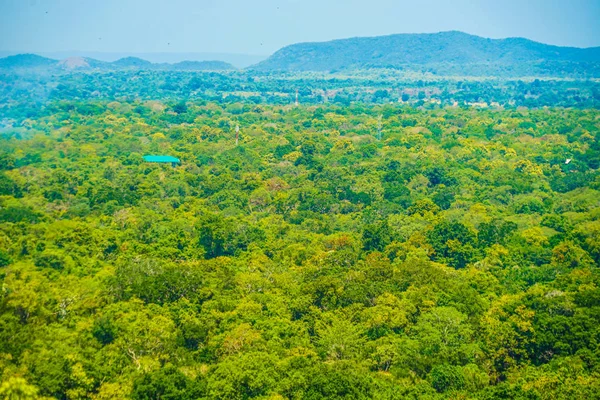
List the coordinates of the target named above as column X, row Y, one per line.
column 263, row 26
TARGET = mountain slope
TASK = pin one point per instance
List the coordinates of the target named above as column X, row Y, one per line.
column 82, row 63
column 410, row 50
column 132, row 62
column 26, row 61
column 33, row 62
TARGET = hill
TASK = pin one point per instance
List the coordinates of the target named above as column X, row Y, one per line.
column 444, row 52
column 26, row 61
column 132, row 62
column 78, row 63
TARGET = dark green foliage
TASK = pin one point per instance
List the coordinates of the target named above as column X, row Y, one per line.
column 4, row 258
column 572, row 181
column 282, row 150
column 444, row 198
column 7, row 161
column 104, row 330
column 51, row 259
column 329, row 382
column 446, row 377
column 376, row 236
column 507, row 391
column 222, row 237
column 453, row 243
column 495, row 232
column 397, row 193
column 180, row 108
column 166, row 384
column 19, row 214
column 556, row 222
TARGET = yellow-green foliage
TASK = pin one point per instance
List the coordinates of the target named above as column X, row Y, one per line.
column 457, row 257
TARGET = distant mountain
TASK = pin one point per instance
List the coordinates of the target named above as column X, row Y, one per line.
column 35, row 63
column 26, row 61
column 237, row 60
column 77, row 63
column 74, row 63
column 132, row 62
column 446, row 52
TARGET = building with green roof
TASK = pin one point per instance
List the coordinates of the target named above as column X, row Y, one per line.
column 162, row 160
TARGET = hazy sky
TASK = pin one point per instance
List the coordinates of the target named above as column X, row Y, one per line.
column 263, row 26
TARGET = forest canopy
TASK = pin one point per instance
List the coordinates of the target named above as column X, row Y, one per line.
column 344, row 251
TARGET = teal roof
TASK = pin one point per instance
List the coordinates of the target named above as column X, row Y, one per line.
column 161, row 159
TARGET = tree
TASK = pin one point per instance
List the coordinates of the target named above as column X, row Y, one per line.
column 167, row 383
column 446, row 377
column 444, row 335
column 340, row 339
column 453, row 243
column 4, row 259
column 376, row 236
column 15, row 388
column 180, row 108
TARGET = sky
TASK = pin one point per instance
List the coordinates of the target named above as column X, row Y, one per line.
column 263, row 26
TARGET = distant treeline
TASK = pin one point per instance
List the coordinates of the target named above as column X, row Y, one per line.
column 369, row 86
